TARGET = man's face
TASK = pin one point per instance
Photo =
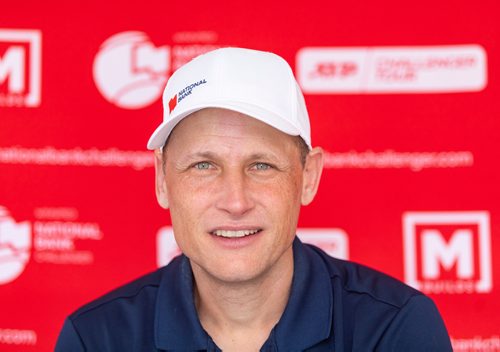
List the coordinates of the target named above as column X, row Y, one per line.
column 234, row 186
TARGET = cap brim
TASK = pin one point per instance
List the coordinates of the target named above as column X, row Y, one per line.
column 160, row 135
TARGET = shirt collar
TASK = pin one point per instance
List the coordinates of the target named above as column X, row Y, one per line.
column 177, row 326
column 307, row 318
column 306, row 321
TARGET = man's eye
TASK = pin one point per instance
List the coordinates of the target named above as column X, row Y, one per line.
column 262, row 166
column 204, row 165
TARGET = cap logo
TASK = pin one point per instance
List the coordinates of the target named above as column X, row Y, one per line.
column 184, row 93
column 172, row 103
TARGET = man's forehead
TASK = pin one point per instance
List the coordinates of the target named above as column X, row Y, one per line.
column 223, row 123
column 207, row 129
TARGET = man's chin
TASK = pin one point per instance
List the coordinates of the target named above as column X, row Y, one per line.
column 232, row 273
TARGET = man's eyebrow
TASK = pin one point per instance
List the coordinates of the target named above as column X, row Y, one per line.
column 203, row 154
column 197, row 155
column 212, row 156
column 263, row 156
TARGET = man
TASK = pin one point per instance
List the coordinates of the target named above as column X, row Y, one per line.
column 234, row 164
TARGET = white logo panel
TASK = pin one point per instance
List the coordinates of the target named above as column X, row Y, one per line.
column 129, row 71
column 54, row 237
column 15, row 246
column 20, row 67
column 166, row 247
column 392, row 70
column 333, row 241
column 459, row 262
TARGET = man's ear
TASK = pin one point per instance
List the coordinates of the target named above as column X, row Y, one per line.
column 311, row 175
column 160, row 184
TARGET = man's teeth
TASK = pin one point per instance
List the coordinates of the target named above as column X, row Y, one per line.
column 231, row 234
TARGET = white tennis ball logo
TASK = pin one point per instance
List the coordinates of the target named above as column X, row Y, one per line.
column 129, row 71
column 15, row 246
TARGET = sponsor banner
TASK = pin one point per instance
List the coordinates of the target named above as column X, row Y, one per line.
column 20, row 67
column 333, row 241
column 15, row 246
column 448, row 252
column 77, row 210
column 131, row 72
column 53, row 237
column 392, row 70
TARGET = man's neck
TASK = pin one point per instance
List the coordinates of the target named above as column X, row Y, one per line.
column 240, row 316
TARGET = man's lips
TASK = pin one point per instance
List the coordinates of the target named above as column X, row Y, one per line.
column 235, row 233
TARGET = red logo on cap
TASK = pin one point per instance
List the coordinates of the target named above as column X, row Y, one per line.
column 172, row 103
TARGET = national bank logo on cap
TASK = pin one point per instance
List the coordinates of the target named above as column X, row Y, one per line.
column 15, row 246
column 185, row 92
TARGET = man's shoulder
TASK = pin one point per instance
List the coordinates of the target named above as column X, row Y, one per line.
column 374, row 311
column 135, row 295
column 360, row 280
column 121, row 320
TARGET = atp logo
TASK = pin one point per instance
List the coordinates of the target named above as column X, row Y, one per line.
column 20, row 67
column 15, row 246
column 392, row 70
column 335, row 69
column 448, row 252
column 129, row 71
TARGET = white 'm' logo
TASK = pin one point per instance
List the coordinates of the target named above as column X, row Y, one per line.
column 458, row 250
column 130, row 71
column 15, row 245
column 20, row 67
column 439, row 263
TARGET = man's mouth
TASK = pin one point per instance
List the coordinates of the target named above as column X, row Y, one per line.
column 235, row 234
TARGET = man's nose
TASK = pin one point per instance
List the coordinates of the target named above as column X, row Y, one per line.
column 235, row 195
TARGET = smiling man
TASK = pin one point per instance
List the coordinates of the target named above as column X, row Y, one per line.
column 234, row 165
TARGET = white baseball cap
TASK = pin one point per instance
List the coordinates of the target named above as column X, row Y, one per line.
column 255, row 83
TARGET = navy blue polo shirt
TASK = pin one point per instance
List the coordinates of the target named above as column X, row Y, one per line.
column 334, row 305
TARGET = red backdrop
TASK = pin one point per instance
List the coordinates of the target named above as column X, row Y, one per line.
column 404, row 99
